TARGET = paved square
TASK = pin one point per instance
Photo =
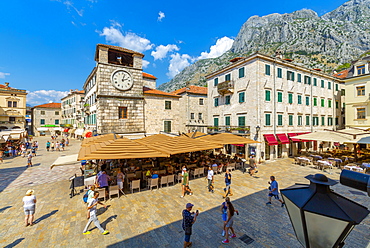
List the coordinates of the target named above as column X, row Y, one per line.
column 151, row 218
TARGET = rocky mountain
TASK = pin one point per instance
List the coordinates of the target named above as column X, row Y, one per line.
column 327, row 42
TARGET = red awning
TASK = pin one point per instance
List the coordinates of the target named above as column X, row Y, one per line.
column 283, row 138
column 66, row 130
column 238, row 144
column 271, row 139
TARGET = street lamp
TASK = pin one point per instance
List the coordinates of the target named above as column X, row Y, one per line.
column 320, row 217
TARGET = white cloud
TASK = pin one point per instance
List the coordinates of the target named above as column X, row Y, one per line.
column 177, row 63
column 70, row 5
column 161, row 51
column 145, row 63
column 4, row 74
column 45, row 96
column 161, row 15
column 128, row 40
column 222, row 45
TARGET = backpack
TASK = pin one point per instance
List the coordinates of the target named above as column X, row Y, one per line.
column 86, row 196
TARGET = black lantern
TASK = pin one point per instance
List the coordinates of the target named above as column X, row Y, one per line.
column 258, row 128
column 320, row 217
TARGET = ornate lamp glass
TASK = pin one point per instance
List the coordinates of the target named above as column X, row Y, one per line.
column 320, row 217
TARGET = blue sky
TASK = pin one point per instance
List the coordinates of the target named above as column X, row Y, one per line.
column 47, row 46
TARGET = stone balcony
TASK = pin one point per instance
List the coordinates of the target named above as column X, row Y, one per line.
column 245, row 130
column 225, row 87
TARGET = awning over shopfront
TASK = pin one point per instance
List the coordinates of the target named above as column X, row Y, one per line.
column 65, row 160
column 79, row 131
column 98, row 139
column 283, row 138
column 271, row 139
column 227, row 139
column 292, row 135
column 304, row 140
column 66, row 130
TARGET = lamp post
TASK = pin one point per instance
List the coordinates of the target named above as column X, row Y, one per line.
column 320, row 217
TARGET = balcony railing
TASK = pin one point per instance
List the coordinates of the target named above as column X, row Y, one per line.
column 12, row 122
column 225, row 87
column 229, row 129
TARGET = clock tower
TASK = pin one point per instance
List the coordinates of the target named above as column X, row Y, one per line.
column 114, row 100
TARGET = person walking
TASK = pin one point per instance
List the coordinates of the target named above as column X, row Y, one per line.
column 47, row 145
column 29, row 206
column 120, row 180
column 252, row 165
column 29, row 159
column 228, row 190
column 224, row 214
column 185, row 181
column 210, row 178
column 188, row 219
column 93, row 218
column 229, row 222
column 52, row 146
column 274, row 191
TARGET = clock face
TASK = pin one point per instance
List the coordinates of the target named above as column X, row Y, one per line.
column 122, row 80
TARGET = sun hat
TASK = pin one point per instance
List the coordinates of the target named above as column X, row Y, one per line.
column 30, row 192
column 189, row 205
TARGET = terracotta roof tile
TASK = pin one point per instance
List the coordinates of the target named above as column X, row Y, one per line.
column 343, row 74
column 192, row 89
column 49, row 105
column 147, row 75
column 150, row 91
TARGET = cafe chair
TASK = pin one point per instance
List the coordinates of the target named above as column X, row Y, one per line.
column 135, row 184
column 101, row 193
column 163, row 180
column 179, row 178
column 201, row 171
column 153, row 183
column 194, row 172
column 113, row 190
column 171, row 179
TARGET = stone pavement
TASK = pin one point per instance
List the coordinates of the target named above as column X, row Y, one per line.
column 153, row 218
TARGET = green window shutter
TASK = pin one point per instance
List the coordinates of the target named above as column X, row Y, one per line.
column 307, row 100
column 216, row 82
column 336, row 104
column 267, row 119
column 322, row 120
column 336, row 87
column 241, row 72
column 290, row 120
column 215, row 122
column 329, row 85
column 299, row 120
column 280, row 96
column 299, row 79
column 227, row 120
column 315, row 82
column 216, row 102
column 241, row 97
column 299, row 99
column 227, row 100
column 227, row 77
column 314, row 101
column 279, row 73
column 329, row 103
column 293, row 76
column 322, row 84
column 241, row 123
column 307, row 120
column 290, row 98
column 280, row 120
column 267, row 69
column 267, row 95
column 322, row 102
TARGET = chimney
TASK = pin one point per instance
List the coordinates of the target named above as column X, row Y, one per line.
column 279, row 54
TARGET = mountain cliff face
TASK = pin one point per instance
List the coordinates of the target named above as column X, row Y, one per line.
column 325, row 42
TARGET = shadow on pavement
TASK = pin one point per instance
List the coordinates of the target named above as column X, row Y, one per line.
column 8, row 175
column 4, row 208
column 45, row 216
column 16, row 242
column 266, row 226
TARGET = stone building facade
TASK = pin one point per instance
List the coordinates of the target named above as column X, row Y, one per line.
column 114, row 100
column 193, row 108
column 13, row 107
column 162, row 112
column 271, row 99
column 46, row 118
column 71, row 112
column 357, row 90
